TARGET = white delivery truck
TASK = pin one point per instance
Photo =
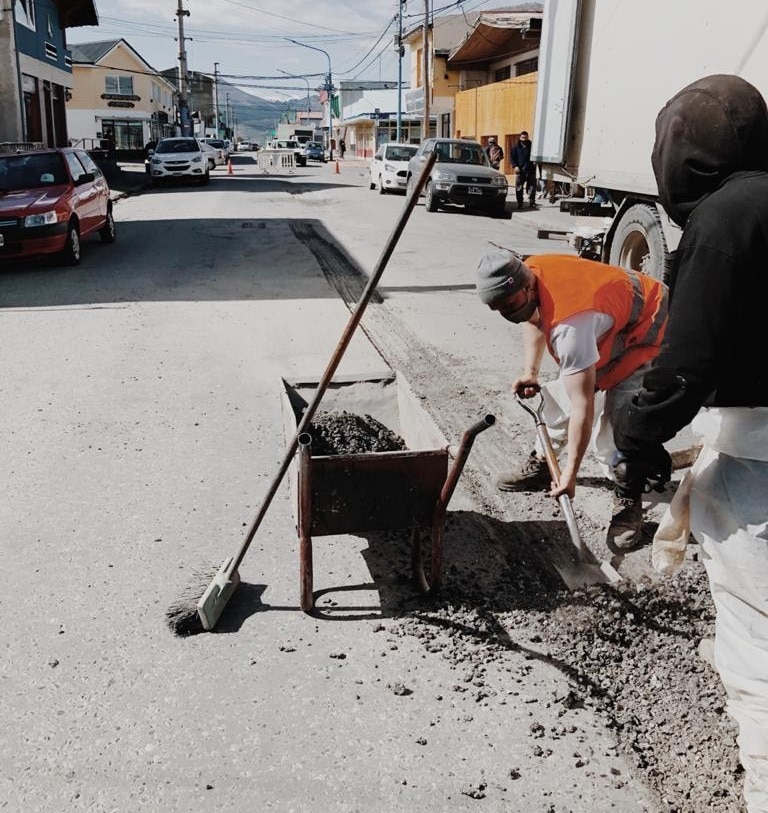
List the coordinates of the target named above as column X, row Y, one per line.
column 606, row 68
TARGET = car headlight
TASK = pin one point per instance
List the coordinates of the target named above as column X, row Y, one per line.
column 499, row 181
column 442, row 175
column 197, row 160
column 41, row 219
column 156, row 161
column 390, row 168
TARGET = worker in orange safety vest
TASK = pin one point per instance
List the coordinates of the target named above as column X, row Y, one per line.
column 602, row 325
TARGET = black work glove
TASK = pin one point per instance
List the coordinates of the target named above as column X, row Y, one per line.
column 648, row 469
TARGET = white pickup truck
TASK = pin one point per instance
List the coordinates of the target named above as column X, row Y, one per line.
column 288, row 144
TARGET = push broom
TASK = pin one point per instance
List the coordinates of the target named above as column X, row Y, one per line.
column 200, row 607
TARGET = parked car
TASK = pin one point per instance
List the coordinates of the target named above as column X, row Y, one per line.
column 244, row 146
column 179, row 157
column 314, row 151
column 50, row 201
column 219, row 144
column 389, row 167
column 214, row 155
column 461, row 175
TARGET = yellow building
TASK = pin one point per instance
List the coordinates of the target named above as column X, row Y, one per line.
column 118, row 96
column 482, row 75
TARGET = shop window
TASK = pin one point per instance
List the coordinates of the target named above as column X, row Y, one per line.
column 122, row 85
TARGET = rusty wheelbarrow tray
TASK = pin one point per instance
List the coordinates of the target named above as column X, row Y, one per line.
column 375, row 491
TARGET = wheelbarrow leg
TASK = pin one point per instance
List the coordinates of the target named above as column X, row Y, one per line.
column 432, row 585
column 307, row 598
column 423, row 584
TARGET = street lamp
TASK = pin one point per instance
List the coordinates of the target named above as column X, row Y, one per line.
column 329, row 88
column 294, row 76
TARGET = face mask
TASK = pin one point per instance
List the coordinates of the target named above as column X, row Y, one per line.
column 523, row 313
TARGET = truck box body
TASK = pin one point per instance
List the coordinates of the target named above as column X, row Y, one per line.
column 606, row 68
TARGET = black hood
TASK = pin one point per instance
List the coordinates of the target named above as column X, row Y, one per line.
column 712, row 128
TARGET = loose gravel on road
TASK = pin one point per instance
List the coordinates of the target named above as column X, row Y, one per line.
column 629, row 650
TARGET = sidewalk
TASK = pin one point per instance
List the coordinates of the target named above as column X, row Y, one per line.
column 127, row 180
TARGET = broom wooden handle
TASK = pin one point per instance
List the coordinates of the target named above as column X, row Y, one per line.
column 334, row 361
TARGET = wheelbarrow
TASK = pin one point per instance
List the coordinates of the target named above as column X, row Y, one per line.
column 375, row 491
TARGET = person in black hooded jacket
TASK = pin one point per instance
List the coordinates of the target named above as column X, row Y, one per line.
column 710, row 159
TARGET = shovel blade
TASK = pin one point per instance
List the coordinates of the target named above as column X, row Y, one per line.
column 217, row 594
column 583, row 574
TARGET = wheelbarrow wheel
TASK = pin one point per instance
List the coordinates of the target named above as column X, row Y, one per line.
column 427, row 585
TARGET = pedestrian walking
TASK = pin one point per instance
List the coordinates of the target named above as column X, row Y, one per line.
column 602, row 325
column 525, row 170
column 711, row 167
column 495, row 153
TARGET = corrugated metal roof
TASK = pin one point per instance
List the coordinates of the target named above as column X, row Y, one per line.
column 497, row 34
column 90, row 53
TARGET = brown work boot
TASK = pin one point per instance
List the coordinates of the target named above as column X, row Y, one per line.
column 625, row 530
column 532, row 475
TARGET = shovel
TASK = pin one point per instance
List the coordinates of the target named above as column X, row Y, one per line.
column 581, row 568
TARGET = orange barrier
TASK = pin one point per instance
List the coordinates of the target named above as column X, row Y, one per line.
column 337, row 170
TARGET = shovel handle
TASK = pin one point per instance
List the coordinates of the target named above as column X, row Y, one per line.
column 554, row 470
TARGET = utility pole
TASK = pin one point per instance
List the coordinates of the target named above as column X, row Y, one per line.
column 400, row 54
column 186, row 124
column 216, row 96
column 425, row 72
column 227, row 116
column 329, row 90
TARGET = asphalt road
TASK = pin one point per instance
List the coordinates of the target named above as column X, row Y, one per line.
column 141, row 425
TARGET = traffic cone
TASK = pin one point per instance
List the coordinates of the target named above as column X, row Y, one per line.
column 229, row 167
column 337, row 170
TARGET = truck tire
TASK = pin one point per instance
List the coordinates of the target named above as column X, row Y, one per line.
column 638, row 243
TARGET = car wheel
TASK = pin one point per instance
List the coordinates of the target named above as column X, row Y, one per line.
column 108, row 232
column 371, row 183
column 499, row 209
column 70, row 254
column 382, row 190
column 430, row 200
column 211, row 164
column 409, row 186
column 206, row 179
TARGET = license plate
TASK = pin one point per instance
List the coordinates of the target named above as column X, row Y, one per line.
column 475, row 190
column 2, row 240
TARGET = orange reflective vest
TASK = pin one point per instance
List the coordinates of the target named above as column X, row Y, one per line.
column 637, row 303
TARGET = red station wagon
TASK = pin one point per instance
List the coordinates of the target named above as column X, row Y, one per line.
column 50, row 200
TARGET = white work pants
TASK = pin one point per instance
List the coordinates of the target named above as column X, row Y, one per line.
column 729, row 518
column 557, row 410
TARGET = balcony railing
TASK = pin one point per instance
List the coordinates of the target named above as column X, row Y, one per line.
column 20, row 146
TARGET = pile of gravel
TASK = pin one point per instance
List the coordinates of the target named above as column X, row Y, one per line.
column 630, row 653
column 336, row 433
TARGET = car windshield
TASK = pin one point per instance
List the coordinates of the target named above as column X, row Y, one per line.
column 178, row 145
column 218, row 144
column 458, row 153
column 31, row 171
column 399, row 152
